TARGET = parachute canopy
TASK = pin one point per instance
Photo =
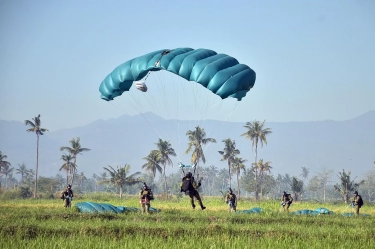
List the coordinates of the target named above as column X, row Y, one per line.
column 220, row 73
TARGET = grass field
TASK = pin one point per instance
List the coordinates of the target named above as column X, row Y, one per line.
column 46, row 224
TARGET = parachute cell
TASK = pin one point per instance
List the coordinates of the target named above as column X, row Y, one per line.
column 219, row 73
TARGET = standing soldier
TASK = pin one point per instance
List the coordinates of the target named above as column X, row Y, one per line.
column 146, row 196
column 357, row 202
column 286, row 201
column 231, row 200
column 67, row 196
column 189, row 186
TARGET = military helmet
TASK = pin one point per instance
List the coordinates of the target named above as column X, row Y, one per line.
column 69, row 186
column 189, row 174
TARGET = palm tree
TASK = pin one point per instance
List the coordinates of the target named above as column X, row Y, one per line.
column 229, row 153
column 120, row 177
column 153, row 160
column 238, row 165
column 165, row 150
column 74, row 150
column 305, row 172
column 256, row 133
column 80, row 180
column 3, row 163
column 261, row 167
column 7, row 171
column 196, row 138
column 297, row 187
column 346, row 185
column 30, row 174
column 36, row 128
column 22, row 170
column 68, row 166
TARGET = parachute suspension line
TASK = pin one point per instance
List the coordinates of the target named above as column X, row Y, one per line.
column 145, row 118
column 226, row 119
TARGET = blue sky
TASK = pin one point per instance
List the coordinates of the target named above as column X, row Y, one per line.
column 315, row 60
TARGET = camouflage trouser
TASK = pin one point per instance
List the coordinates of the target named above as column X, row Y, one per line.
column 286, row 207
column 356, row 209
column 145, row 206
column 67, row 202
column 195, row 194
column 232, row 206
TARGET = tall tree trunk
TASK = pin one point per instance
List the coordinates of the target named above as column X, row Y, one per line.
column 238, row 187
column 256, row 172
column 230, row 178
column 74, row 169
column 36, row 170
column 165, row 183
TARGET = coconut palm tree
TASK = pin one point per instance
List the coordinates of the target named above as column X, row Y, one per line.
column 68, row 166
column 229, row 153
column 22, row 170
column 346, row 185
column 119, row 177
column 238, row 165
column 74, row 150
column 296, row 187
column 3, row 163
column 257, row 134
column 305, row 172
column 152, row 165
column 165, row 150
column 261, row 168
column 39, row 131
column 6, row 171
column 197, row 138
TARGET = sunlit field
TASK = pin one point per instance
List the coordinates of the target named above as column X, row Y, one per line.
column 46, row 224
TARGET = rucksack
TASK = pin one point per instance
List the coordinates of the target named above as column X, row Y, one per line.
column 360, row 201
column 187, row 184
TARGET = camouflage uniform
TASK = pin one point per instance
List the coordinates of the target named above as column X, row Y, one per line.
column 356, row 202
column 286, row 201
column 67, row 196
column 192, row 191
column 231, row 200
column 145, row 199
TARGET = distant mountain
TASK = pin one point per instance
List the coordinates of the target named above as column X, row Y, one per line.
column 348, row 145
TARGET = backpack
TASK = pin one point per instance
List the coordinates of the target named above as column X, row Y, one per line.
column 360, row 201
column 187, row 184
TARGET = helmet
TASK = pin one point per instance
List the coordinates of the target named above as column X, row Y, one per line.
column 230, row 190
column 69, row 186
column 189, row 174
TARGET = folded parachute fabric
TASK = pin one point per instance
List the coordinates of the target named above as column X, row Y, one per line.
column 91, row 207
column 255, row 210
column 352, row 214
column 313, row 212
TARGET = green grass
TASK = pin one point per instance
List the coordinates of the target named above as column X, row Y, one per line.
column 46, row 224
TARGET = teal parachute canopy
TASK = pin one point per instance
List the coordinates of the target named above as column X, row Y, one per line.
column 220, row 73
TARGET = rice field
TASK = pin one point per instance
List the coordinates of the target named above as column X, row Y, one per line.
column 46, row 224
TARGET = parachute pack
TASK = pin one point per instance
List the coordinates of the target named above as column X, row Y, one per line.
column 360, row 201
column 187, row 184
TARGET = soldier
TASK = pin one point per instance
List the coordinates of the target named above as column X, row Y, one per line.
column 146, row 196
column 357, row 202
column 189, row 186
column 231, row 200
column 286, row 201
column 67, row 196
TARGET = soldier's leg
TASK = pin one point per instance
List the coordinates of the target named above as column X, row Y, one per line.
column 356, row 209
column 196, row 194
column 148, row 208
column 287, row 207
column 234, row 208
column 143, row 208
column 65, row 203
column 191, row 195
